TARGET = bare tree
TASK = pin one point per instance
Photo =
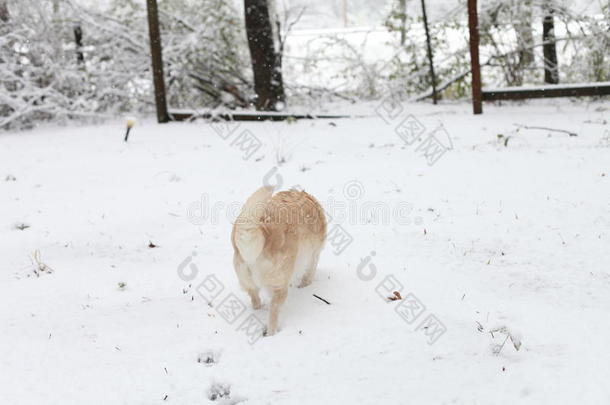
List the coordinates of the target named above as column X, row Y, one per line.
column 265, row 55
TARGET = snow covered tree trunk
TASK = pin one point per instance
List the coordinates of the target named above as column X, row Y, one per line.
column 429, row 48
column 402, row 16
column 549, row 50
column 266, row 60
column 525, row 35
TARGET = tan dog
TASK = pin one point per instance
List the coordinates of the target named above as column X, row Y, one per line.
column 274, row 237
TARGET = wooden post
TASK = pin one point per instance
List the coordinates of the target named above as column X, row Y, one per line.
column 157, row 61
column 78, row 39
column 549, row 49
column 473, row 26
column 430, row 58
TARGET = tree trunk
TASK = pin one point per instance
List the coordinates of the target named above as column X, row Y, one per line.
column 402, row 16
column 266, row 59
column 4, row 14
column 157, row 61
column 525, row 38
column 429, row 48
column 549, row 49
column 473, row 28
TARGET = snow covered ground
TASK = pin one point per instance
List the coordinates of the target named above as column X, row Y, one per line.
column 509, row 227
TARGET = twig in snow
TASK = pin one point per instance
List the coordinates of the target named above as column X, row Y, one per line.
column 321, row 299
column 498, row 349
column 570, row 133
column 39, row 266
column 516, row 340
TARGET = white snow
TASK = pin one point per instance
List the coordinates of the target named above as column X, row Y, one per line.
column 513, row 238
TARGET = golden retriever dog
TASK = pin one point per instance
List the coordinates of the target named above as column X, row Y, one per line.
column 274, row 238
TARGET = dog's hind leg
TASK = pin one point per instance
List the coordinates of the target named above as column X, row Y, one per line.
column 311, row 269
column 277, row 299
column 244, row 274
column 254, row 298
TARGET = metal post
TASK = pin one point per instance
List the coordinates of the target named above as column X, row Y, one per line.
column 473, row 26
column 157, row 61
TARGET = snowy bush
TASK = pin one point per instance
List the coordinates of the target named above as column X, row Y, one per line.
column 205, row 54
column 43, row 78
column 511, row 51
column 45, row 75
column 408, row 70
column 511, row 42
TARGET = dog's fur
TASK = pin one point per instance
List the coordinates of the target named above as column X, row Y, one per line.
column 274, row 237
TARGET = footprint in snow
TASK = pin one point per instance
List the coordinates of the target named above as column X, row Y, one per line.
column 221, row 394
column 208, row 358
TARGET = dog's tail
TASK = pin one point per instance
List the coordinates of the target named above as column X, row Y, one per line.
column 248, row 236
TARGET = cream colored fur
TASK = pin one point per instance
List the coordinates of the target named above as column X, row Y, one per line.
column 274, row 237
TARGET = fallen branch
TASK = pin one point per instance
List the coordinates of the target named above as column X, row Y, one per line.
column 442, row 86
column 547, row 129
